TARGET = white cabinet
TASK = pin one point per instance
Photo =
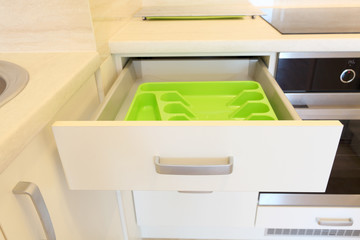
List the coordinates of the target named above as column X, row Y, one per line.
column 75, row 215
column 286, row 155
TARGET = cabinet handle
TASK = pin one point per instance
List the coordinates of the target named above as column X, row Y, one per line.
column 33, row 191
column 335, row 221
column 2, row 233
column 212, row 168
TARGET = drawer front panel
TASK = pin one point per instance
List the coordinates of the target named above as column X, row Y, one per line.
column 172, row 208
column 308, row 217
column 267, row 155
column 194, row 214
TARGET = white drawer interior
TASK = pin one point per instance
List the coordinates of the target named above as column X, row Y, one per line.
column 179, row 70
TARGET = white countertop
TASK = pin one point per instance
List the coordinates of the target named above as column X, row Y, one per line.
column 54, row 78
column 220, row 37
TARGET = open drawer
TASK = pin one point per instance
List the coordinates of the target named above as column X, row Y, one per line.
column 288, row 155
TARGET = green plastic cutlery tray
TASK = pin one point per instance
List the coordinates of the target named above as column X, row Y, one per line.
column 175, row 101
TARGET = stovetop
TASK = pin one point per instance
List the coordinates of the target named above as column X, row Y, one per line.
column 314, row 20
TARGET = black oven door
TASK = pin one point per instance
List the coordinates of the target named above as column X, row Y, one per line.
column 336, row 211
column 345, row 174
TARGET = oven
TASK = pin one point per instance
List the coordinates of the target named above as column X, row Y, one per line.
column 327, row 86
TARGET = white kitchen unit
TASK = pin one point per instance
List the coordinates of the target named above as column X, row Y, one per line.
column 271, row 156
column 66, row 95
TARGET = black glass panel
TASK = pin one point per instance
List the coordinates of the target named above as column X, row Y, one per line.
column 314, row 20
column 345, row 174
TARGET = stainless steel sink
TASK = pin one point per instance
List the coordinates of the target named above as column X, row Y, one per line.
column 13, row 80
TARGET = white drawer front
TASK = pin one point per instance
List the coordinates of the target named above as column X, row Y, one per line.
column 189, row 214
column 267, row 155
column 308, row 217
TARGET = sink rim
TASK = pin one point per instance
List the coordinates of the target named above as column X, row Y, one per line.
column 3, row 85
column 16, row 79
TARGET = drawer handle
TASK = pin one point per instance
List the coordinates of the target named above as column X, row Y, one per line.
column 201, row 166
column 335, row 221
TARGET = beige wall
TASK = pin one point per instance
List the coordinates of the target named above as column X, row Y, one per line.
column 45, row 26
column 61, row 26
column 109, row 16
column 112, row 10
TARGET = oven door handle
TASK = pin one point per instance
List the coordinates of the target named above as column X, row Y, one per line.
column 329, row 113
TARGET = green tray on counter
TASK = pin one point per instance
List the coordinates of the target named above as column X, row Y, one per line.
column 192, row 17
column 176, row 101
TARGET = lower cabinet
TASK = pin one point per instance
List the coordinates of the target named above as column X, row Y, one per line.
column 75, row 215
column 246, row 215
column 173, row 214
column 143, row 158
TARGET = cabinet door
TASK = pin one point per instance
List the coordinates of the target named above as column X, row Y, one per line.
column 75, row 215
column 284, row 155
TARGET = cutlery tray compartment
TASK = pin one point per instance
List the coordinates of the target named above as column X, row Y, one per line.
column 226, row 100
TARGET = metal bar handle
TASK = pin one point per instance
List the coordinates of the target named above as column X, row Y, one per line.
column 196, row 169
column 335, row 221
column 33, row 191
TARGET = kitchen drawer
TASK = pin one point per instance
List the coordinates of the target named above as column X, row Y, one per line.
column 111, row 154
column 172, row 214
column 308, row 211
